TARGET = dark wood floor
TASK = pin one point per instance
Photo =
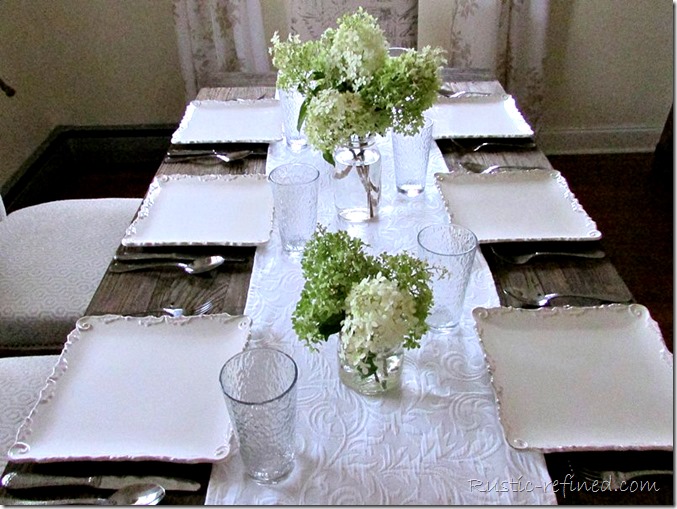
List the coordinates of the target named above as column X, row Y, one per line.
column 631, row 202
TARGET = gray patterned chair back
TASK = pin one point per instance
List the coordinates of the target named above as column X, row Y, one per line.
column 397, row 18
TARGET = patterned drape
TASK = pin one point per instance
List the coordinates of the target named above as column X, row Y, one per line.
column 216, row 37
column 507, row 36
column 397, row 18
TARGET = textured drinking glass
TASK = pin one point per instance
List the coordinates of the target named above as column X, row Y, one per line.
column 290, row 102
column 410, row 155
column 295, row 188
column 450, row 249
column 260, row 390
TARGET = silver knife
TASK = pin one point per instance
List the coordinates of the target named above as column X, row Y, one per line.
column 22, row 480
column 137, row 257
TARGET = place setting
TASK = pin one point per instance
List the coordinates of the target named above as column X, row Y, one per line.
column 119, row 403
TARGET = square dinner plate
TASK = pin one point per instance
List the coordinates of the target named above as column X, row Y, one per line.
column 244, row 121
column 525, row 205
column 566, row 379
column 136, row 389
column 206, row 210
column 495, row 116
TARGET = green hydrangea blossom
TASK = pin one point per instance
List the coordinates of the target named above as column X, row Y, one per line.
column 352, row 86
column 346, row 289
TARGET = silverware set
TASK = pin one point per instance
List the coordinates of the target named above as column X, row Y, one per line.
column 473, row 167
column 207, row 156
column 520, row 258
column 198, row 265
column 131, row 494
column 446, row 92
column 534, row 299
column 211, row 156
column 548, row 299
column 617, row 479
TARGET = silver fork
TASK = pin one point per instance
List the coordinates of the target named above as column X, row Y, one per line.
column 202, row 309
column 617, row 479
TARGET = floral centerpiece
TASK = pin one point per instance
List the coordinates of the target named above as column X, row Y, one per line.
column 376, row 304
column 354, row 90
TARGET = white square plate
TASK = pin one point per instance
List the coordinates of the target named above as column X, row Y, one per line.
column 525, row 205
column 579, row 378
column 495, row 116
column 136, row 389
column 187, row 210
column 247, row 121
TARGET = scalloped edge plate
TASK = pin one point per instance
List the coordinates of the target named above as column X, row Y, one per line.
column 574, row 379
column 509, row 206
column 205, row 210
column 245, row 121
column 129, row 388
column 496, row 116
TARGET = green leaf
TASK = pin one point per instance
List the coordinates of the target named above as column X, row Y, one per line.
column 329, row 157
column 302, row 113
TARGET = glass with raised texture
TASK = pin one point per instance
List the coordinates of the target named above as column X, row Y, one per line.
column 290, row 103
column 260, row 390
column 295, row 189
column 450, row 250
column 410, row 157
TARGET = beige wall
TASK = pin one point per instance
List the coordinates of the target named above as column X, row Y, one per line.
column 111, row 62
column 609, row 71
column 84, row 62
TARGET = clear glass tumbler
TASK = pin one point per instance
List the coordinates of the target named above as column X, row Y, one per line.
column 260, row 390
column 450, row 250
column 410, row 155
column 295, row 189
column 290, row 102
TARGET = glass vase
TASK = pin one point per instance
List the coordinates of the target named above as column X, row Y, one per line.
column 356, row 180
column 387, row 376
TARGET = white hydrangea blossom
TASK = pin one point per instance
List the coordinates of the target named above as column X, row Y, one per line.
column 378, row 315
column 357, row 50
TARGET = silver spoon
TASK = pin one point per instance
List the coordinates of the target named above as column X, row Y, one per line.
column 481, row 168
column 540, row 301
column 134, row 494
column 197, row 266
column 521, row 258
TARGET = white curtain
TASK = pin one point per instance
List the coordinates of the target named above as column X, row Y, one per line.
column 397, row 18
column 508, row 36
column 216, row 37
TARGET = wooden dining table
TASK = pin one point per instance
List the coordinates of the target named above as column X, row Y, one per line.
column 227, row 288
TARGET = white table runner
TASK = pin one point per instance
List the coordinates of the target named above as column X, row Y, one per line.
column 438, row 441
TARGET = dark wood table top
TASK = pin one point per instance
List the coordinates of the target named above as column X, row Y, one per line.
column 138, row 292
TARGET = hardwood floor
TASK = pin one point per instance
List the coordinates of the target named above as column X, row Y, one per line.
column 632, row 203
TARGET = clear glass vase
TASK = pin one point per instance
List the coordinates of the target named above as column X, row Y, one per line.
column 387, row 376
column 356, row 180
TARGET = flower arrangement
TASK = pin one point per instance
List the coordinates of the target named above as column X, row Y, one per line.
column 352, row 87
column 375, row 302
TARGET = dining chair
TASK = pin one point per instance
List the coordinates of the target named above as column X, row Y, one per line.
column 21, row 379
column 397, row 18
column 52, row 258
